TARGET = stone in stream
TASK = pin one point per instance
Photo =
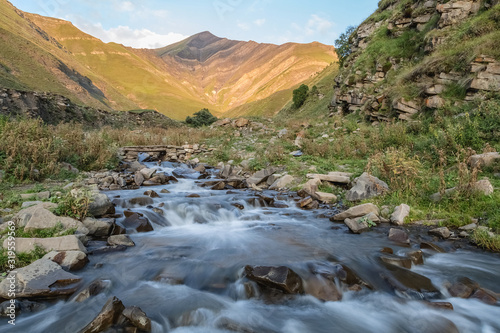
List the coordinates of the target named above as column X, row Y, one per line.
column 219, row 186
column 322, row 288
column 137, row 223
column 185, row 173
column 109, row 315
column 100, row 205
column 165, row 191
column 282, row 182
column 151, row 194
column 417, row 257
column 277, row 277
column 20, row 306
column 432, row 246
column 366, row 186
column 356, row 211
column 262, row 175
column 141, row 201
column 399, row 236
column 485, row 296
column 400, row 213
column 357, row 227
column 409, row 282
column 147, row 173
column 120, row 240
column 138, row 318
column 138, row 178
column 193, row 195
column 93, row 289
column 68, row 260
column 396, row 260
column 442, row 232
column 42, row 278
column 439, row 305
column 99, row 227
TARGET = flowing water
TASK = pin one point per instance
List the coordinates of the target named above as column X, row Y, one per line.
column 206, row 242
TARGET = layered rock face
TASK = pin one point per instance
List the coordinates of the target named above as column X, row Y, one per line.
column 403, row 43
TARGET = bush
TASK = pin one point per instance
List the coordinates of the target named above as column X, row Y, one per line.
column 300, row 96
column 201, row 118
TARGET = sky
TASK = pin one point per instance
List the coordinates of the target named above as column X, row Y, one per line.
column 156, row 23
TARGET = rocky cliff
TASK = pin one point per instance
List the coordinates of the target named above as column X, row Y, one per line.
column 414, row 56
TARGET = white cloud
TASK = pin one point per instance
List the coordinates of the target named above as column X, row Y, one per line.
column 259, row 22
column 126, row 6
column 318, row 24
column 137, row 38
column 243, row 26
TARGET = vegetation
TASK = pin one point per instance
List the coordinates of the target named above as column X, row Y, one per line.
column 300, row 96
column 201, row 118
column 22, row 259
column 75, row 206
column 343, row 45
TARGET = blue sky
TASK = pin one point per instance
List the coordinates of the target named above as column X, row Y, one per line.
column 155, row 23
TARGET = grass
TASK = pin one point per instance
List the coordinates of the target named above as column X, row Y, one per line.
column 22, row 259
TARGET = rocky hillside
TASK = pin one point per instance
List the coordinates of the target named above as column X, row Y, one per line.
column 413, row 56
column 46, row 54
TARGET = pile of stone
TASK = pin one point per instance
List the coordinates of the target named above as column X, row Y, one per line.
column 168, row 153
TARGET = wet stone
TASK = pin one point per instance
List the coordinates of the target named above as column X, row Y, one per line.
column 137, row 223
column 151, row 194
column 417, row 257
column 398, row 236
column 396, row 260
column 280, row 277
column 432, row 246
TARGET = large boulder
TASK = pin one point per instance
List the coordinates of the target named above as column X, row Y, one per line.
column 357, row 211
column 63, row 243
column 400, row 213
column 487, row 159
column 277, row 277
column 282, row 182
column 365, row 187
column 100, row 205
column 43, row 278
column 68, row 260
column 40, row 217
column 399, row 236
column 99, row 227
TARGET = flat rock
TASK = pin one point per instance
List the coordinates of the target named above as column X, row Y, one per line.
column 141, row 201
column 396, row 260
column 68, row 260
column 326, row 197
column 365, row 187
column 278, row 277
column 357, row 227
column 42, row 278
column 441, row 232
column 399, row 214
column 487, row 159
column 63, row 243
column 262, row 175
column 333, row 177
column 40, row 217
column 282, row 182
column 357, row 211
column 120, row 240
column 432, row 246
column 99, row 227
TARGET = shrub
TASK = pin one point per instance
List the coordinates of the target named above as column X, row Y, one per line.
column 300, row 96
column 201, row 118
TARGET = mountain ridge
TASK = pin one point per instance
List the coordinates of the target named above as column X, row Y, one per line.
column 177, row 80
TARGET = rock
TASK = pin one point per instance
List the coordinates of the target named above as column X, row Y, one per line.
column 333, row 177
column 151, row 194
column 304, row 202
column 185, row 173
column 297, row 153
column 42, row 278
column 396, row 260
column 440, row 305
column 138, row 318
column 399, row 214
column 100, row 205
column 434, row 102
column 485, row 296
column 138, row 178
column 282, row 133
column 219, row 186
column 282, row 182
column 137, row 223
column 141, row 201
column 120, row 240
column 468, row 227
column 43, row 195
column 417, row 257
column 27, row 204
column 365, row 187
column 165, row 191
column 481, row 160
column 431, row 246
column 136, row 166
column 356, row 227
column 20, row 306
column 442, row 232
column 326, row 197
column 369, row 218
column 98, row 227
column 282, row 278
column 311, row 187
column 357, row 211
column 95, row 288
column 407, row 281
column 108, row 316
column 261, row 175
column 461, row 289
column 64, row 243
column 241, row 122
column 193, row 195
column 68, row 260
column 200, row 168
column 399, row 236
column 40, row 217
column 483, row 187
column 322, row 288
column 147, row 173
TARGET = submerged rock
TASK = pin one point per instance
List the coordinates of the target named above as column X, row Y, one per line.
column 137, row 223
column 278, row 277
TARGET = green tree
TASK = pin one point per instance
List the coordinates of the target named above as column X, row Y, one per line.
column 300, row 96
column 201, row 118
column 343, row 44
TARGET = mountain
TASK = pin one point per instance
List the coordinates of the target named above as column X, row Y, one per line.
column 411, row 57
column 52, row 55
